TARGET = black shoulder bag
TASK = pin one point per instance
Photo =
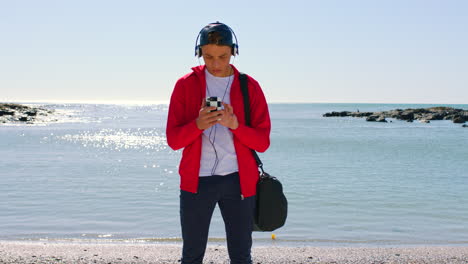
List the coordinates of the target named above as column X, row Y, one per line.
column 272, row 207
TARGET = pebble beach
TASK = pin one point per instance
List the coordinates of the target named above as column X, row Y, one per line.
column 47, row 252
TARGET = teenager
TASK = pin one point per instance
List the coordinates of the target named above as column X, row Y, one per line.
column 217, row 166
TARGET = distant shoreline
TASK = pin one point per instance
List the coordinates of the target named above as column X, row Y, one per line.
column 27, row 113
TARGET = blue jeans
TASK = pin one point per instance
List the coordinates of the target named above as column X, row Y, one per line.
column 195, row 216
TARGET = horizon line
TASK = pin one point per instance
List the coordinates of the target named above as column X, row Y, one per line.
column 166, row 102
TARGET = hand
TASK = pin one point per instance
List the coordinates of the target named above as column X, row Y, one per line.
column 206, row 118
column 228, row 118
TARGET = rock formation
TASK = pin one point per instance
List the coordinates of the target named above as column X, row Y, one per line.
column 17, row 113
column 424, row 115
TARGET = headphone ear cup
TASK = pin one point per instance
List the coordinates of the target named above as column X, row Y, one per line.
column 198, row 51
column 235, row 49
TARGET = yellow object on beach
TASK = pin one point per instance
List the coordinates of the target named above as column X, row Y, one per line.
column 273, row 236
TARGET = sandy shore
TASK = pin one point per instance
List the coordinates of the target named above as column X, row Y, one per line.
column 40, row 252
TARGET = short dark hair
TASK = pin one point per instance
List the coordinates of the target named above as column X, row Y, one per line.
column 215, row 37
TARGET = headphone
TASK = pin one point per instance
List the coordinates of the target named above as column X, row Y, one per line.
column 220, row 28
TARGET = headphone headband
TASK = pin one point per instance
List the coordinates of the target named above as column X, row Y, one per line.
column 226, row 37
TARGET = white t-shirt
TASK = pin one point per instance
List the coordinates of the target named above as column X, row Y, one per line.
column 218, row 155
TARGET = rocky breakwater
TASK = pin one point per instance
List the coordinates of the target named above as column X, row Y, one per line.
column 17, row 113
column 424, row 115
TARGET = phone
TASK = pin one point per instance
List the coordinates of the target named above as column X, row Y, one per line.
column 214, row 101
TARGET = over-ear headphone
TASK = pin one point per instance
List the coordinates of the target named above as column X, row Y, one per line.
column 226, row 33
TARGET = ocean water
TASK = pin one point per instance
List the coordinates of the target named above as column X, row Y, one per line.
column 104, row 172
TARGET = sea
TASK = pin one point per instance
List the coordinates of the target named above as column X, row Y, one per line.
column 104, row 173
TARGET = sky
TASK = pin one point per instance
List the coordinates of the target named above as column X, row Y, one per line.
column 398, row 51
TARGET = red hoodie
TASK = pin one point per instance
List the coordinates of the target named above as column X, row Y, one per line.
column 182, row 131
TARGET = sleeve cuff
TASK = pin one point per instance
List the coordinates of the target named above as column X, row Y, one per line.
column 239, row 129
column 193, row 126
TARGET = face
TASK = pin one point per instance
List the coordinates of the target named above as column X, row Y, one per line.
column 217, row 59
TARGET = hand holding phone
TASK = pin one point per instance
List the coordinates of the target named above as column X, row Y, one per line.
column 209, row 114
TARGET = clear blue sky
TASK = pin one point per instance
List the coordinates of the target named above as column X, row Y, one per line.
column 399, row 51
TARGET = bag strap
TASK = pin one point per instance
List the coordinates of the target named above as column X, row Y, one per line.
column 245, row 93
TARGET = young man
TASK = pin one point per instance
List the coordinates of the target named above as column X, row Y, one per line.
column 217, row 166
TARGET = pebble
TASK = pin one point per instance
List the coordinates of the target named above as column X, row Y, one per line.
column 31, row 252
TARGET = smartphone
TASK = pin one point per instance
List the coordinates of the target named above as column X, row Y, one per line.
column 214, row 101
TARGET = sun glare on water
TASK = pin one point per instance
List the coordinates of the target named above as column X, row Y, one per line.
column 119, row 139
